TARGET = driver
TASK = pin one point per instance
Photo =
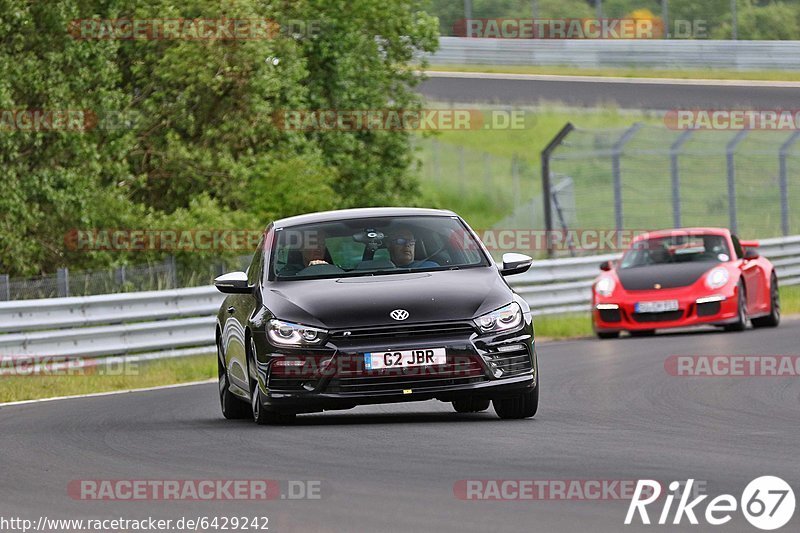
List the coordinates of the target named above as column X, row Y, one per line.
column 401, row 250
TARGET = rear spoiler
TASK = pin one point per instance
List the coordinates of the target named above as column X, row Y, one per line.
column 749, row 244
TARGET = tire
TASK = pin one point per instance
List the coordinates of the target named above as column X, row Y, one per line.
column 774, row 317
column 261, row 416
column 607, row 334
column 233, row 407
column 523, row 405
column 643, row 333
column 741, row 322
column 470, row 405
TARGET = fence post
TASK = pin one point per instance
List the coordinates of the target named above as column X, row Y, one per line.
column 437, row 171
column 515, row 179
column 5, row 288
column 120, row 275
column 732, row 179
column 173, row 271
column 461, row 170
column 675, row 174
column 62, row 281
column 784, row 183
column 616, row 153
column 487, row 173
column 546, row 190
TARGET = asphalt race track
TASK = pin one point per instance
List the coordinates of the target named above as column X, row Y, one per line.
column 624, row 93
column 609, row 411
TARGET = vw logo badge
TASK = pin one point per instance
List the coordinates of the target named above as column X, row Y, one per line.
column 399, row 314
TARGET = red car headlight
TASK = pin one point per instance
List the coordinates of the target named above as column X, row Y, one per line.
column 605, row 286
column 717, row 278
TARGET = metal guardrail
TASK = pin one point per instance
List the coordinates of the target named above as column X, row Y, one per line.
column 161, row 324
column 658, row 53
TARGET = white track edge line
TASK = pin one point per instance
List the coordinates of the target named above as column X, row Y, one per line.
column 108, row 393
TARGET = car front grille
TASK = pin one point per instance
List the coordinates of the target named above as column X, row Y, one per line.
column 406, row 331
column 459, row 370
column 708, row 308
column 666, row 316
column 610, row 315
column 511, row 363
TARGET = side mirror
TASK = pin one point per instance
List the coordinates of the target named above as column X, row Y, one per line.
column 233, row 283
column 605, row 266
column 751, row 253
column 515, row 264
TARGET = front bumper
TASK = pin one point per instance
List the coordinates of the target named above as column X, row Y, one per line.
column 619, row 313
column 488, row 366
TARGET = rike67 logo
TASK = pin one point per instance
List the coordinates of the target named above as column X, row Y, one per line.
column 767, row 503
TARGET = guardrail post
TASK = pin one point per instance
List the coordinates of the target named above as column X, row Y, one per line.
column 5, row 288
column 62, row 281
column 784, row 183
column 729, row 153
column 546, row 189
column 616, row 154
column 674, row 151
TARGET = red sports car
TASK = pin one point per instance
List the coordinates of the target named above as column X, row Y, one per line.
column 685, row 277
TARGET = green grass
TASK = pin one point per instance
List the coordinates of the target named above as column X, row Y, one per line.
column 567, row 326
column 790, row 300
column 132, row 376
column 709, row 74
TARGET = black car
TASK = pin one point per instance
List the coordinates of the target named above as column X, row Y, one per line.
column 379, row 305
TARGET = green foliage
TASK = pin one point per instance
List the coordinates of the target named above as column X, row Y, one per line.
column 198, row 146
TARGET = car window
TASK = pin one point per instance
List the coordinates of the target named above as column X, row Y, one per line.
column 256, row 264
column 677, row 249
column 374, row 246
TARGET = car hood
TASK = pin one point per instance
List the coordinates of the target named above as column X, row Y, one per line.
column 368, row 300
column 669, row 276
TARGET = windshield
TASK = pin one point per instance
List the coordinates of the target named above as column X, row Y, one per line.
column 677, row 249
column 374, row 246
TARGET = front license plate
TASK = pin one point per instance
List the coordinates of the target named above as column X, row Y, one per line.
column 656, row 307
column 405, row 358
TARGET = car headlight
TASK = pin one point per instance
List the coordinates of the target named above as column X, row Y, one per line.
column 505, row 318
column 289, row 334
column 717, row 278
column 605, row 286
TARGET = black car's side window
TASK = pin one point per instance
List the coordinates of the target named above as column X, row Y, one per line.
column 737, row 247
column 256, row 264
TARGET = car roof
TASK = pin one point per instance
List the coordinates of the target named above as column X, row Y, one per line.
column 365, row 212
column 682, row 231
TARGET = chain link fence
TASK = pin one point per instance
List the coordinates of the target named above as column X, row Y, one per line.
column 650, row 177
column 169, row 274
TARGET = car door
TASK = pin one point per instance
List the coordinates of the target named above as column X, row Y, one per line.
column 752, row 276
column 239, row 309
